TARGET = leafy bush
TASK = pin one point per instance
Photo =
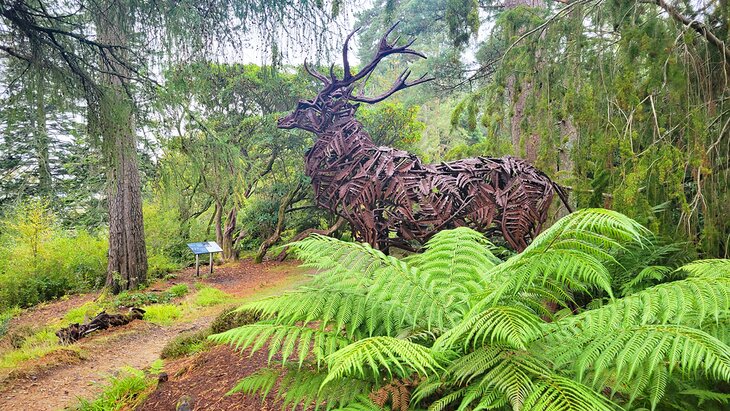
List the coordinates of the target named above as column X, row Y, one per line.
column 39, row 261
column 5, row 317
column 232, row 318
column 162, row 314
column 457, row 328
column 186, row 344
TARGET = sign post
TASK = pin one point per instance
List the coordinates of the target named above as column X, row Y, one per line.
column 206, row 247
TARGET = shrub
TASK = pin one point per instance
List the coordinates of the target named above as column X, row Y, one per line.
column 162, row 314
column 185, row 344
column 209, row 296
column 39, row 261
column 232, row 318
column 457, row 328
column 5, row 318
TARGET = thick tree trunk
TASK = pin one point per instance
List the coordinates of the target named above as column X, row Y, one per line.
column 127, row 267
column 517, row 93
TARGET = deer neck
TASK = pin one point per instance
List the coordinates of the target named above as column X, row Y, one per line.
column 342, row 142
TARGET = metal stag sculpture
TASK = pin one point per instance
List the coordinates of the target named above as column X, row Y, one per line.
column 389, row 196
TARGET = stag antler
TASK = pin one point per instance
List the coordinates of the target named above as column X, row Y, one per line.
column 385, row 49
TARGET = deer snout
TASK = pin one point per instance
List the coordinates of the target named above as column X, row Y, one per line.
column 286, row 122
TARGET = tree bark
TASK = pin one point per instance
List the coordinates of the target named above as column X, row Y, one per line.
column 228, row 245
column 41, row 130
column 127, row 266
column 290, row 198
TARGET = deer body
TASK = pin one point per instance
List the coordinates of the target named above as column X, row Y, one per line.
column 389, row 196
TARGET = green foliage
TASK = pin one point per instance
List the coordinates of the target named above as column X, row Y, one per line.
column 164, row 239
column 178, row 290
column 619, row 117
column 82, row 313
column 39, row 261
column 542, row 330
column 185, row 344
column 162, row 314
column 232, row 318
column 125, row 390
column 209, row 296
column 138, row 299
column 392, row 124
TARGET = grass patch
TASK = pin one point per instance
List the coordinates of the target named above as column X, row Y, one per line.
column 210, row 296
column 178, row 290
column 186, row 344
column 82, row 313
column 33, row 346
column 125, row 391
column 162, row 314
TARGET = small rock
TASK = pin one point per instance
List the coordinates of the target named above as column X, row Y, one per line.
column 185, row 403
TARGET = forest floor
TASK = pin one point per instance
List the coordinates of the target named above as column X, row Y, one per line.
column 57, row 380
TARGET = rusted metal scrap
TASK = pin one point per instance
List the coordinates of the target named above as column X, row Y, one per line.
column 101, row 321
column 389, row 197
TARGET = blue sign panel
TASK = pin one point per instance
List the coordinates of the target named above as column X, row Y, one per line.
column 205, row 247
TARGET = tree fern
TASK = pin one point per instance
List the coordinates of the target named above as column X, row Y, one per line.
column 284, row 340
column 586, row 315
column 372, row 356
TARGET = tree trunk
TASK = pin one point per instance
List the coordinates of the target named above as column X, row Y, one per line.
column 290, row 198
column 517, row 93
column 41, row 130
column 228, row 245
column 127, row 266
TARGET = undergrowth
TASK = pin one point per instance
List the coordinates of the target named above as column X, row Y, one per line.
column 124, row 391
column 210, row 296
column 162, row 314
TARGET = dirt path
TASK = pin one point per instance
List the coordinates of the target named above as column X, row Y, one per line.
column 136, row 344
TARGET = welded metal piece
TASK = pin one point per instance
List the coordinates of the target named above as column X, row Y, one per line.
column 389, row 197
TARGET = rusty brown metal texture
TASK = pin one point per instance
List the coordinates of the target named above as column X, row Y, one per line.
column 389, row 197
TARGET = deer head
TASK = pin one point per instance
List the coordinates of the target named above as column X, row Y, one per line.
column 336, row 99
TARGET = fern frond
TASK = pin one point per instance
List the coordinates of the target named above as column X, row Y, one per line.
column 456, row 260
column 510, row 326
column 620, row 354
column 563, row 394
column 302, row 389
column 338, row 261
column 688, row 302
column 707, row 268
column 261, row 382
column 601, row 227
column 283, row 339
column 368, row 357
column 362, row 403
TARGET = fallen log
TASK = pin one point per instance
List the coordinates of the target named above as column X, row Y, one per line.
column 101, row 321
